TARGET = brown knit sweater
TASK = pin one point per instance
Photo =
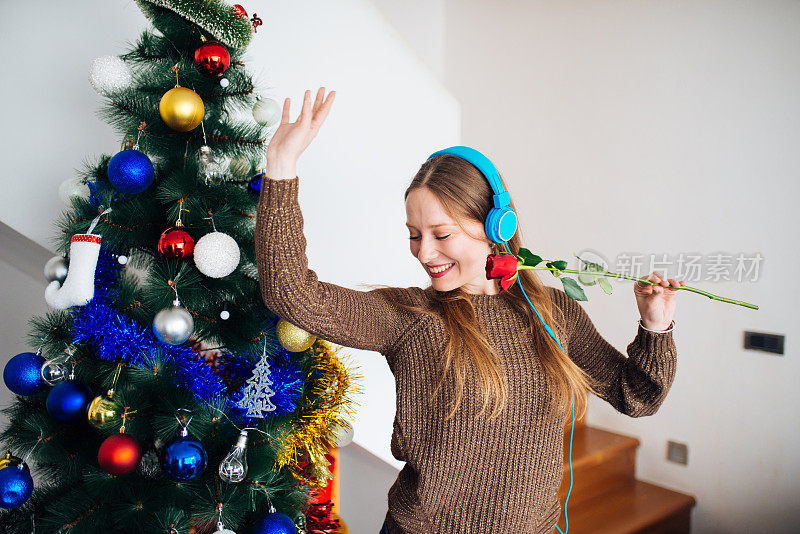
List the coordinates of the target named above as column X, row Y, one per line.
column 465, row 475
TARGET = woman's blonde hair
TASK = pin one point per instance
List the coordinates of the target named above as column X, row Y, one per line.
column 465, row 194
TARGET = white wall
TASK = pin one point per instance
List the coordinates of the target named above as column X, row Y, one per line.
column 661, row 128
column 421, row 24
column 390, row 114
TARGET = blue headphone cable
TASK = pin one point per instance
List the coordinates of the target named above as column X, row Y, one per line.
column 572, row 427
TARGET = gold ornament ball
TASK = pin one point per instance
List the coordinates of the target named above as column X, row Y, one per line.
column 182, row 109
column 293, row 338
column 11, row 461
column 103, row 411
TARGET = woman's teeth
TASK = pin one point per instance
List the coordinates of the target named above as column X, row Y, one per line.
column 440, row 269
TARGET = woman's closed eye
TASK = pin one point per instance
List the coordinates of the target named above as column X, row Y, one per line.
column 439, row 238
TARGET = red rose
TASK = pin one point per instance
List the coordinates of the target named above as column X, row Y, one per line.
column 503, row 266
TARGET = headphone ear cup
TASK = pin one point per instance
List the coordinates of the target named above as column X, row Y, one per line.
column 501, row 224
column 507, row 226
column 491, row 225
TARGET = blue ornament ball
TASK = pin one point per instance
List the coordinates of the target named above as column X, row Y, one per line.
column 275, row 523
column 16, row 485
column 255, row 183
column 184, row 459
column 68, row 401
column 130, row 171
column 23, row 373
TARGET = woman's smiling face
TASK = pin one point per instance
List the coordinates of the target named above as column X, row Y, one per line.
column 437, row 241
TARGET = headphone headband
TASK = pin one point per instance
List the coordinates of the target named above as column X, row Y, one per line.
column 480, row 161
column 501, row 222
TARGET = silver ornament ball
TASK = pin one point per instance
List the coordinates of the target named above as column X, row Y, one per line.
column 56, row 268
column 267, row 112
column 173, row 326
column 109, row 75
column 224, row 82
column 73, row 188
column 216, row 254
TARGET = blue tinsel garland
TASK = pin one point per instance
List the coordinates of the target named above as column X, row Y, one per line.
column 116, row 336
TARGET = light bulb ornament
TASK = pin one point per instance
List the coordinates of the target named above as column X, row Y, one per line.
column 233, row 468
column 506, row 267
column 54, row 370
column 237, row 452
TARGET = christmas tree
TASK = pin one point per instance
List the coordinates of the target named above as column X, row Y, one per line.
column 133, row 412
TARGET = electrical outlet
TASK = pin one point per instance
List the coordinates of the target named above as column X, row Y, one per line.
column 677, row 452
column 763, row 341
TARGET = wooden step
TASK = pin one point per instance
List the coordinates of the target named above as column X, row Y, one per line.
column 634, row 507
column 601, row 461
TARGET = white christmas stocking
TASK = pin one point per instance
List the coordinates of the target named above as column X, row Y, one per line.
column 78, row 287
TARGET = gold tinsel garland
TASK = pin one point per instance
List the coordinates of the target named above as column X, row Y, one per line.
column 311, row 438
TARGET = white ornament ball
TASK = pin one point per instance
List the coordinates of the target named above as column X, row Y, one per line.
column 122, row 259
column 343, row 434
column 73, row 188
column 267, row 112
column 109, row 75
column 224, row 82
column 216, row 254
column 224, row 315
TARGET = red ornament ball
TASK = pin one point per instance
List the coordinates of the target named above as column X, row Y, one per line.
column 240, row 10
column 212, row 59
column 176, row 243
column 119, row 454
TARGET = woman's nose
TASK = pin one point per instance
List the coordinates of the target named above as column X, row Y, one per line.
column 427, row 250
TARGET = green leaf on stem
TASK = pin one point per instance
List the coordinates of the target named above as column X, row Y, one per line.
column 528, row 257
column 573, row 290
column 606, row 285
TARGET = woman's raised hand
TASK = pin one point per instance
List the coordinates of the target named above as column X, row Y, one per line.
column 292, row 138
column 656, row 303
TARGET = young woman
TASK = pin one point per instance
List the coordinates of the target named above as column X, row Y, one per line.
column 460, row 345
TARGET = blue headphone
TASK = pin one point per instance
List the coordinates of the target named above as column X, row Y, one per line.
column 501, row 225
column 501, row 222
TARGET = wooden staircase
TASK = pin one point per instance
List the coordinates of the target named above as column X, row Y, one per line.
column 606, row 498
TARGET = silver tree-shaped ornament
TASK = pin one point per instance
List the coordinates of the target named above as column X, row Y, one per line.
column 257, row 392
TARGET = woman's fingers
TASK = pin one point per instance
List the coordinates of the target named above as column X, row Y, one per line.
column 322, row 112
column 286, row 105
column 305, row 112
column 318, row 101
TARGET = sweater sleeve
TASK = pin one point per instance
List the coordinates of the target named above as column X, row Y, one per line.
column 635, row 385
column 366, row 320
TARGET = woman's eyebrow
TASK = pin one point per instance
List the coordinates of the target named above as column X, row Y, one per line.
column 434, row 226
